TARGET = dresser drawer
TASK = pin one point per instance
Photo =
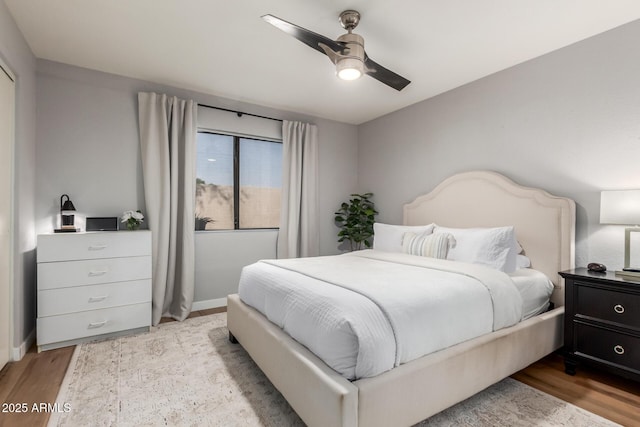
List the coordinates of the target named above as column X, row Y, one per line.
column 612, row 306
column 75, row 246
column 88, row 323
column 52, row 275
column 52, row 302
column 614, row 347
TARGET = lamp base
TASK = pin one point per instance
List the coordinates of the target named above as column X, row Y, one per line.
column 631, row 274
column 66, row 230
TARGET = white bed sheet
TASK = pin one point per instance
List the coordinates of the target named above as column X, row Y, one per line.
column 535, row 289
column 363, row 314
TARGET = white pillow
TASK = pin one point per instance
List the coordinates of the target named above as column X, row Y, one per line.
column 494, row 247
column 433, row 245
column 388, row 237
column 522, row 261
column 519, row 249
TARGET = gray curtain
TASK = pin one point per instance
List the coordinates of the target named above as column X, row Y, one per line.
column 167, row 140
column 299, row 235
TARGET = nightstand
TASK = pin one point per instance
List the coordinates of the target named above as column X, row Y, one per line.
column 602, row 322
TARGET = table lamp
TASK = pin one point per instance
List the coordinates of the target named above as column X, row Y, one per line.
column 67, row 212
column 622, row 207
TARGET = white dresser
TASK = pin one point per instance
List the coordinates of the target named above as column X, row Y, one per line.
column 91, row 285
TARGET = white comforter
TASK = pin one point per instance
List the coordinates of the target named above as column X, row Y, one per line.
column 366, row 312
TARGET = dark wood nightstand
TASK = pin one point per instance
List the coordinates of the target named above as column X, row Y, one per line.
column 602, row 322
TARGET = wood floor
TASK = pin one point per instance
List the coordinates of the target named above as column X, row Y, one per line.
column 37, row 378
column 610, row 396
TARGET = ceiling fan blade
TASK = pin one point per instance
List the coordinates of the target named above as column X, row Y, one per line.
column 384, row 75
column 307, row 37
column 333, row 56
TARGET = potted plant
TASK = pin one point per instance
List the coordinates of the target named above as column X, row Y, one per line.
column 355, row 220
column 201, row 222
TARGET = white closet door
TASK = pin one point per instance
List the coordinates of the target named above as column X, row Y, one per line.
column 7, row 107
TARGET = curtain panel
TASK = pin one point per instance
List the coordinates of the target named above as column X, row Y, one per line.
column 168, row 130
column 299, row 235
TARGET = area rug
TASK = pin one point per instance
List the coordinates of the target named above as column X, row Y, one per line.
column 189, row 374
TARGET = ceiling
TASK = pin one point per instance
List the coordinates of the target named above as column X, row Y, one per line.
column 222, row 47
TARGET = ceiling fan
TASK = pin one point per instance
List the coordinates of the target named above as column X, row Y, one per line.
column 347, row 52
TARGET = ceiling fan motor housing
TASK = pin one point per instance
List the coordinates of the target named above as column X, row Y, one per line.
column 355, row 45
column 354, row 42
column 352, row 58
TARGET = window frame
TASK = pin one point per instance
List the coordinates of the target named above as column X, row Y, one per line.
column 236, row 175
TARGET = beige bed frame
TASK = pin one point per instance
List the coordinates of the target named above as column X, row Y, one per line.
column 416, row 390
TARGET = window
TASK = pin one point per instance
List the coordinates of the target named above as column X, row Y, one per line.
column 238, row 182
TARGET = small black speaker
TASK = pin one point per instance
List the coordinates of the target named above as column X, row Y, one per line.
column 102, row 223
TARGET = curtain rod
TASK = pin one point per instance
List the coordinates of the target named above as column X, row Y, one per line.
column 239, row 113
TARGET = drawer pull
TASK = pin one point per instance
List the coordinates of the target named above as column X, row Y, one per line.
column 98, row 272
column 97, row 247
column 618, row 349
column 618, row 308
column 95, row 325
column 98, row 299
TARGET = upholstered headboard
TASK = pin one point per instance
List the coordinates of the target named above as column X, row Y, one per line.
column 544, row 224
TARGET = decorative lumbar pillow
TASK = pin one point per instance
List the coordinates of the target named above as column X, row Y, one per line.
column 388, row 238
column 434, row 245
column 494, row 247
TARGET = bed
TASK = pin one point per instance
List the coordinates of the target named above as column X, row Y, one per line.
column 544, row 225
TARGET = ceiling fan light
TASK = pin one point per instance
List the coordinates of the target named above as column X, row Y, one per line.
column 349, row 69
column 349, row 74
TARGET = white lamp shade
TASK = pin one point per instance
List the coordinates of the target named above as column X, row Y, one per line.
column 620, row 207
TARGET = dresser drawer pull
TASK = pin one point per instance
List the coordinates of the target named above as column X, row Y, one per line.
column 95, row 325
column 98, row 272
column 618, row 308
column 97, row 247
column 618, row 349
column 98, row 299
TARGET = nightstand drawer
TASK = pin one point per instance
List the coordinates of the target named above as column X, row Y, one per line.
column 619, row 307
column 610, row 346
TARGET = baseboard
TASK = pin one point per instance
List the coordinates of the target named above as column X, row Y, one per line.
column 211, row 303
column 17, row 353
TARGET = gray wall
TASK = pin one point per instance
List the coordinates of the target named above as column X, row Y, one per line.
column 88, row 147
column 16, row 54
column 568, row 122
